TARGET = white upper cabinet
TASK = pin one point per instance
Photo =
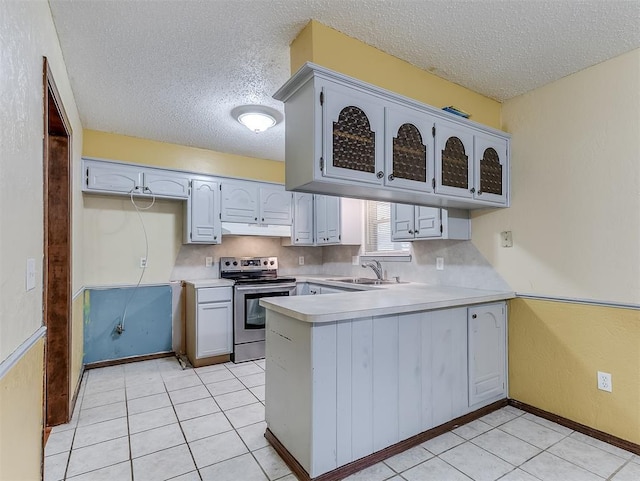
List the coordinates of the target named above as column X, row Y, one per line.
column 275, row 205
column 415, row 222
column 490, row 165
column 353, row 127
column 325, row 220
column 118, row 178
column 166, row 184
column 109, row 177
column 347, row 138
column 409, row 222
column 471, row 164
column 408, row 149
column 240, row 202
column 302, row 232
column 202, row 217
column 255, row 203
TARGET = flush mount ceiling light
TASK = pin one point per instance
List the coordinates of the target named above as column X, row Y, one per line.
column 256, row 118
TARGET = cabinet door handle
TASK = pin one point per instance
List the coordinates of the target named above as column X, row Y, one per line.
column 474, row 316
column 380, row 175
column 390, row 177
column 472, row 190
column 410, row 231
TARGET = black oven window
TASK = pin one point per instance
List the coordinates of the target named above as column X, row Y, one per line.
column 254, row 313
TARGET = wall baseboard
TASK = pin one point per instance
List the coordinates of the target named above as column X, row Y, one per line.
column 581, row 428
column 126, row 360
column 362, row 463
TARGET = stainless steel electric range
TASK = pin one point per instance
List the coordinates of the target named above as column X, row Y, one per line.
column 255, row 278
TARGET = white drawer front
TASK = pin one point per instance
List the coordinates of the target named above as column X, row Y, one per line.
column 214, row 294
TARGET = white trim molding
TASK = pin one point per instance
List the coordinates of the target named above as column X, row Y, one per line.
column 572, row 300
column 15, row 356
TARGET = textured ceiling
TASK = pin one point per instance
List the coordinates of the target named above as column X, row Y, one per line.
column 173, row 70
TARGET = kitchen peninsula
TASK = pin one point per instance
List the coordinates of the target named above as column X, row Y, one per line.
column 356, row 373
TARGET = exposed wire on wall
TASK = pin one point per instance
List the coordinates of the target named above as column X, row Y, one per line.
column 120, row 326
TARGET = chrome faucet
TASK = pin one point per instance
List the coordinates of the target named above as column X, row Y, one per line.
column 375, row 266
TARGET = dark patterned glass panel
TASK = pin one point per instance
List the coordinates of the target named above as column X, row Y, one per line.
column 490, row 172
column 354, row 144
column 409, row 154
column 455, row 164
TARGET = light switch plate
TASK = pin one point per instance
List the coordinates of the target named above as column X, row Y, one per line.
column 31, row 274
column 208, row 261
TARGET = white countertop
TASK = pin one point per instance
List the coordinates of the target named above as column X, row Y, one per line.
column 200, row 283
column 376, row 300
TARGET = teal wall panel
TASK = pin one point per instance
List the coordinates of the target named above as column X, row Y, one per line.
column 147, row 324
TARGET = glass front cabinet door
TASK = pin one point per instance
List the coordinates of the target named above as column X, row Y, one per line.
column 454, row 160
column 490, row 168
column 408, row 149
column 353, row 129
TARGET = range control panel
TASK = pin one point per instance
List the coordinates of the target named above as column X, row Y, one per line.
column 248, row 264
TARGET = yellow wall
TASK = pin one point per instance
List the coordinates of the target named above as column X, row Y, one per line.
column 113, row 238
column 21, row 398
column 575, row 177
column 325, row 46
column 555, row 350
column 77, row 344
column 173, row 156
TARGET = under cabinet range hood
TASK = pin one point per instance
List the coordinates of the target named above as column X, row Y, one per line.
column 234, row 228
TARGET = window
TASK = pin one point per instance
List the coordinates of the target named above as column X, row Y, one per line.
column 378, row 231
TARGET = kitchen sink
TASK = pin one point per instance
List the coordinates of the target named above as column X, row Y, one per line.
column 366, row 281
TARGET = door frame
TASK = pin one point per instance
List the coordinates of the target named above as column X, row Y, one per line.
column 57, row 238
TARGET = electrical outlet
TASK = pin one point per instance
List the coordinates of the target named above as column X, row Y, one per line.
column 439, row 263
column 507, row 238
column 301, row 260
column 143, row 262
column 604, row 381
column 208, row 261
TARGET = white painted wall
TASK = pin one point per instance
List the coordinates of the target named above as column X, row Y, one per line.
column 575, row 213
column 26, row 35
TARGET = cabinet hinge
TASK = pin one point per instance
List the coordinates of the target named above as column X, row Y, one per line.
column 433, row 183
column 220, row 216
column 321, row 98
column 441, row 229
column 87, row 177
column 321, row 164
column 339, row 237
column 220, row 187
column 190, row 183
column 433, row 131
column 191, row 235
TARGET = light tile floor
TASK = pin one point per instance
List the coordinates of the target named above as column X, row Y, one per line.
column 154, row 421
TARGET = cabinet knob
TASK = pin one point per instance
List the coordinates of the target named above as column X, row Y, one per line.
column 472, row 190
column 474, row 316
column 215, row 237
column 390, row 177
column 410, row 232
column 380, row 175
column 417, row 232
column 479, row 192
column 255, row 218
column 263, row 219
column 297, row 239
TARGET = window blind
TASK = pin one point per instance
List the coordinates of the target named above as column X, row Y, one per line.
column 378, row 230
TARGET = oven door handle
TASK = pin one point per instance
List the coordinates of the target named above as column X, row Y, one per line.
column 271, row 288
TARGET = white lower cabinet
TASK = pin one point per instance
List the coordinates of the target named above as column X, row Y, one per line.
column 487, row 352
column 209, row 328
column 339, row 391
